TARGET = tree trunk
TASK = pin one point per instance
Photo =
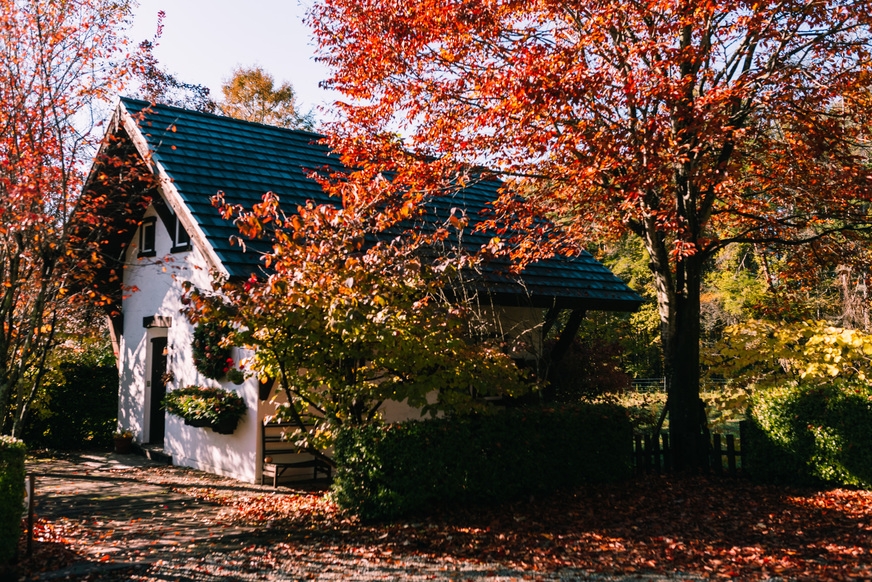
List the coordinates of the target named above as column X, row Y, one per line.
column 5, row 393
column 680, row 335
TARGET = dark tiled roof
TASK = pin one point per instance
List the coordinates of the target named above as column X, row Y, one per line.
column 204, row 153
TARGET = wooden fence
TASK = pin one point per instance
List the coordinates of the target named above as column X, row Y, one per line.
column 654, row 455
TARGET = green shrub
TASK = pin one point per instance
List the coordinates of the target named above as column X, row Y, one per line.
column 11, row 495
column 387, row 471
column 812, row 435
column 78, row 405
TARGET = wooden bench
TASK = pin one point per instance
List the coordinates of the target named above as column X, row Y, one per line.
column 284, row 455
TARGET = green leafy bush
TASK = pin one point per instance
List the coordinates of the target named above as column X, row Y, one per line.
column 77, row 406
column 387, row 471
column 820, row 434
column 198, row 403
column 11, row 495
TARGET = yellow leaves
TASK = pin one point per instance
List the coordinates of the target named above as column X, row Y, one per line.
column 249, row 225
column 447, row 55
column 813, row 351
column 278, row 286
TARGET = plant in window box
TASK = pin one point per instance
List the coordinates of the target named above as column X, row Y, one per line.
column 215, row 408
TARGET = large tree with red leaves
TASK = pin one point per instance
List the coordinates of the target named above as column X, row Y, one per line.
column 60, row 65
column 691, row 124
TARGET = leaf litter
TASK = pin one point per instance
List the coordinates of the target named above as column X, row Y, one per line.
column 693, row 525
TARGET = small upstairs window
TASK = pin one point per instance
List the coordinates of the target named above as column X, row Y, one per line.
column 181, row 238
column 147, row 237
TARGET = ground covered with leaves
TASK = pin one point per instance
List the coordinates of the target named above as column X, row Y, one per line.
column 680, row 527
column 695, row 525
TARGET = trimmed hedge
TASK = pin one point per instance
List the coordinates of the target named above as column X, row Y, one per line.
column 11, row 495
column 812, row 435
column 386, row 471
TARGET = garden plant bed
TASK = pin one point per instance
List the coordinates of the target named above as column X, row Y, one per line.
column 666, row 527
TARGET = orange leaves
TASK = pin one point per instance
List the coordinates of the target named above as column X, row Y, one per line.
column 268, row 209
column 599, row 105
column 406, row 210
column 693, row 125
column 57, row 60
column 297, row 223
column 615, row 529
column 458, row 218
column 682, row 249
column 345, row 303
column 249, row 225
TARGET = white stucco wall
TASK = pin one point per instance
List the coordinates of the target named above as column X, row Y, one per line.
column 155, row 290
column 521, row 327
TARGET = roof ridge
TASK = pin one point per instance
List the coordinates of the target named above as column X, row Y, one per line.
column 144, row 103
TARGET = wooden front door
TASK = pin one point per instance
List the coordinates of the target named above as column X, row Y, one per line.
column 157, row 422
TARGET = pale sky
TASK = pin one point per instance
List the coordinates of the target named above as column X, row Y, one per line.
column 203, row 40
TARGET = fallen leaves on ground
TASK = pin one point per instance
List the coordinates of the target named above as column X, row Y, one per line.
column 696, row 525
column 50, row 548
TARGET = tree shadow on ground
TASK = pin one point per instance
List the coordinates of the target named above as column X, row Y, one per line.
column 711, row 527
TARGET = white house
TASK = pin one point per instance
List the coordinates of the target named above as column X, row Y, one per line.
column 162, row 235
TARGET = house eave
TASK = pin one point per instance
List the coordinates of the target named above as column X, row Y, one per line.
column 170, row 193
column 505, row 299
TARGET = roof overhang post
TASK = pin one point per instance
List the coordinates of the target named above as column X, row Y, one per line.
column 567, row 335
column 550, row 319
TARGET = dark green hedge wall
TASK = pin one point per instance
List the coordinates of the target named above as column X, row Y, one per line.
column 812, row 435
column 388, row 471
column 11, row 495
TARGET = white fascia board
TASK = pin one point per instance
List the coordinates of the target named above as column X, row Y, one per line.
column 170, row 193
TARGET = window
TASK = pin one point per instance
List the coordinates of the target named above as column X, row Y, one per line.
column 146, row 237
column 181, row 238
